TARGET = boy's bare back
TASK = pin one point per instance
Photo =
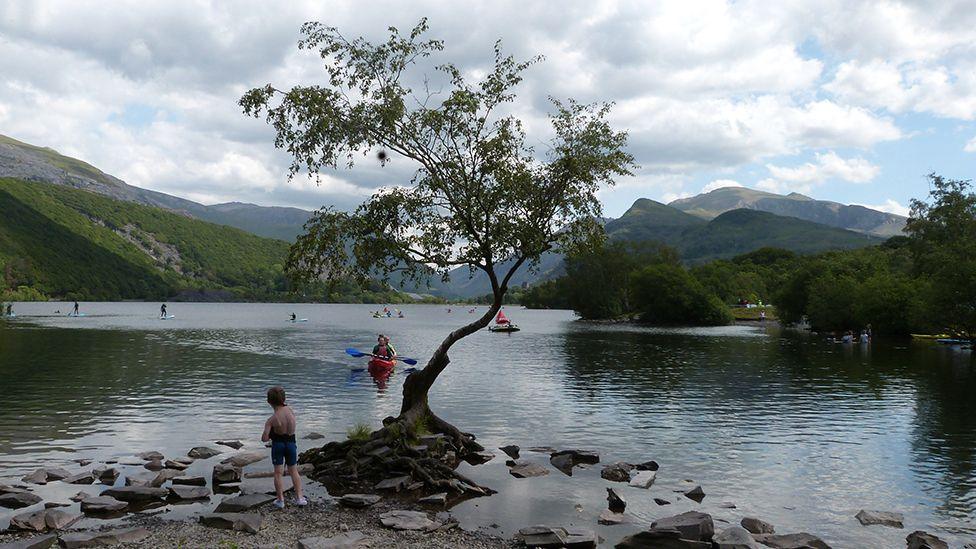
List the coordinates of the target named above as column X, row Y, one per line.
column 283, row 421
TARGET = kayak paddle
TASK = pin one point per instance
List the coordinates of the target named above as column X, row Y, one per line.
column 357, row 353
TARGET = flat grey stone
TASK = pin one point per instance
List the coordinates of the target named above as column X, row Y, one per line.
column 164, row 475
column 563, row 462
column 8, row 489
column 924, row 540
column 245, row 458
column 189, row 492
column 242, row 522
column 352, row 539
column 693, row 525
column 80, row 496
column 154, row 465
column 313, row 436
column 695, row 494
column 660, row 539
column 80, row 478
column 55, row 504
column 235, row 444
column 43, row 520
column 107, row 475
column 19, row 500
column 224, row 473
column 611, row 518
column 102, row 504
column 189, row 481
column 408, row 520
column 527, row 470
column 203, row 452
column 434, row 499
column 359, row 500
column 511, row 451
column 151, row 455
column 643, row 479
column 173, row 464
column 245, row 502
column 800, row 540
column 884, row 518
column 36, row 542
column 617, row 472
column 735, row 537
column 137, row 494
column 757, row 526
column 108, row 537
column 143, row 479
column 396, row 484
column 37, row 477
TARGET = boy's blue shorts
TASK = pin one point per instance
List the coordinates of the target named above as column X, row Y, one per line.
column 284, row 453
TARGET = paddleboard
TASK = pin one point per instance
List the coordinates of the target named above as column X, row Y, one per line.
column 167, row 317
column 77, row 315
column 297, row 320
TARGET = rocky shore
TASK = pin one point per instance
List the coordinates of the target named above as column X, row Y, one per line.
column 228, row 494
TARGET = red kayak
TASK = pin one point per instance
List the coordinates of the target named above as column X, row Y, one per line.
column 381, row 366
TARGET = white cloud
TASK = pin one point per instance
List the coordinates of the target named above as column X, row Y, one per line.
column 719, row 184
column 890, row 206
column 828, row 166
column 970, row 145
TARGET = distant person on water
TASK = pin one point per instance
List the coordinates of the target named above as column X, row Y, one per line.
column 762, row 316
column 162, row 311
column 848, row 337
column 293, row 317
column 10, row 309
column 76, row 309
column 280, row 430
column 864, row 336
column 383, row 349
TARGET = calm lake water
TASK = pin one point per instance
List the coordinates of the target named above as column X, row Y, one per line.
column 788, row 428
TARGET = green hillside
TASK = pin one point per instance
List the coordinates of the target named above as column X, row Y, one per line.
column 73, row 243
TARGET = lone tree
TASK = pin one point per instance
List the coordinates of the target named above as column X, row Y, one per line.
column 480, row 197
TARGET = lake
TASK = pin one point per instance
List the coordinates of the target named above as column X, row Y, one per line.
column 788, row 428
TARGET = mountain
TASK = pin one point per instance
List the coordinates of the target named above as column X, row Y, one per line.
column 73, row 243
column 27, row 162
column 855, row 218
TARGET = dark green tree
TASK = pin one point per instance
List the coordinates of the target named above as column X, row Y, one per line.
column 481, row 197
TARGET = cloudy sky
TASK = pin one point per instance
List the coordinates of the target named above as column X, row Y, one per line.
column 840, row 100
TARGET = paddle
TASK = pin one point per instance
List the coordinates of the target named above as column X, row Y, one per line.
column 357, row 353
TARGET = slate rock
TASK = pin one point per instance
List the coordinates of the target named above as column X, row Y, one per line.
column 660, row 539
column 242, row 522
column 151, row 455
column 139, row 480
column 660, row 501
column 102, row 504
column 351, row 539
column 617, row 472
column 923, row 540
column 224, row 473
column 107, row 475
column 695, row 494
column 242, row 503
column 80, row 478
column 203, row 452
column 137, row 494
column 647, row 466
column 313, row 436
column 107, row 537
column 173, row 464
column 80, row 496
column 189, row 492
column 734, row 537
column 757, row 526
column 478, row 458
column 235, row 444
column 396, row 484
column 643, row 479
column 884, row 518
column 549, row 536
column 563, row 462
column 579, row 456
column 359, row 500
column 43, row 520
column 408, row 520
column 693, row 525
column 610, row 518
column 615, row 502
column 154, row 465
column 7, row 489
column 243, row 459
column 37, row 477
column 800, row 540
column 434, row 499
column 164, row 475
column 189, row 481
column 36, row 542
column 511, row 451
column 527, row 470
column 19, row 500
column 55, row 504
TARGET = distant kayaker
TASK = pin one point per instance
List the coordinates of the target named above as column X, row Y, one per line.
column 293, row 317
column 162, row 311
column 383, row 348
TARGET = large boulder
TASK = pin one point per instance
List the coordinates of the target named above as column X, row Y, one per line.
column 660, row 539
column 189, row 492
column 242, row 522
column 617, row 472
column 693, row 525
column 359, row 501
column 137, row 494
column 101, row 539
column 756, row 526
column 352, row 539
column 800, row 540
column 37, row 542
column 246, row 502
column 202, row 452
column 734, row 537
column 924, row 540
column 884, row 518
column 19, row 500
column 43, row 520
column 408, row 520
column 525, row 469
column 102, row 504
column 224, row 473
column 243, row 459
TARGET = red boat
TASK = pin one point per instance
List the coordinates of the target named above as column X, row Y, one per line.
column 380, row 366
column 503, row 324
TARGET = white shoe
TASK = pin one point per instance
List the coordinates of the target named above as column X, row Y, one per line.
column 301, row 502
column 279, row 503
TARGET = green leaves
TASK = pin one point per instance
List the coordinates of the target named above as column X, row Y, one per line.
column 480, row 196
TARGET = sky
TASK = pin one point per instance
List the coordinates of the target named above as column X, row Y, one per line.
column 848, row 101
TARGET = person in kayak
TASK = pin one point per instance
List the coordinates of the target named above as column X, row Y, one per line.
column 293, row 317
column 383, row 349
column 162, row 311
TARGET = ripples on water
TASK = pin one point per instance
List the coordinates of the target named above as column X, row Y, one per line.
column 790, row 429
